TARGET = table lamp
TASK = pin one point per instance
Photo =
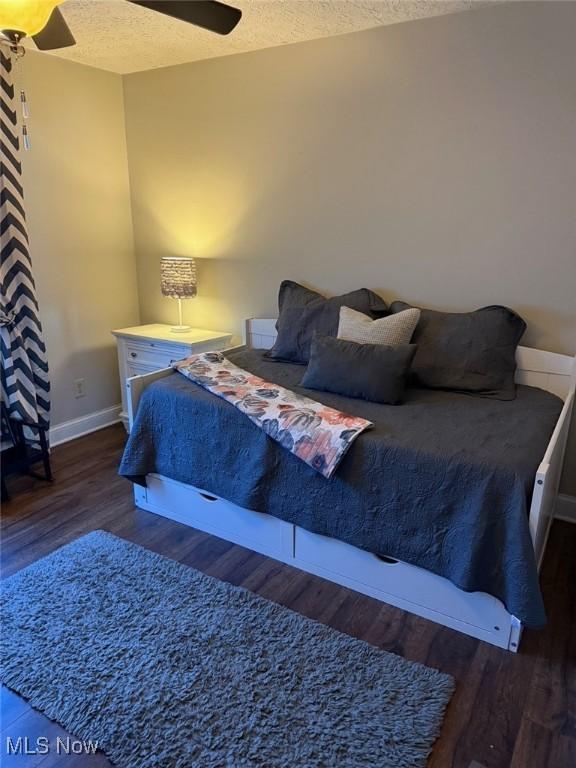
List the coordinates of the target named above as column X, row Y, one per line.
column 179, row 282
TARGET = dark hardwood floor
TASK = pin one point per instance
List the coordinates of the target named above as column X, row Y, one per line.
column 509, row 711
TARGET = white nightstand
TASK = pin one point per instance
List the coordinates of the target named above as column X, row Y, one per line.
column 147, row 348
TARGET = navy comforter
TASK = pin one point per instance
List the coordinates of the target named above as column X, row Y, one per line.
column 442, row 481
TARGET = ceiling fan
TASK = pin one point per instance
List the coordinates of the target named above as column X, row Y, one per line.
column 43, row 21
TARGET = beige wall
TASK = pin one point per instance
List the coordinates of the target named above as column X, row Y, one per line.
column 80, row 227
column 433, row 160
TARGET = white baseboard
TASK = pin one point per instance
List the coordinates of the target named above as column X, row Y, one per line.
column 69, row 430
column 566, row 508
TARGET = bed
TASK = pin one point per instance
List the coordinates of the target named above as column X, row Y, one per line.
column 473, row 568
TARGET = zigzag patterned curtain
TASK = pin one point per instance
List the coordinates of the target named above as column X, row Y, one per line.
column 24, row 368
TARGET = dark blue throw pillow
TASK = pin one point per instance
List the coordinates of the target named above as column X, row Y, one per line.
column 373, row 372
column 303, row 312
column 469, row 352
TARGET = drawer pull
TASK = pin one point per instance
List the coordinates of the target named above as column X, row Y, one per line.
column 208, row 497
column 387, row 560
column 133, row 354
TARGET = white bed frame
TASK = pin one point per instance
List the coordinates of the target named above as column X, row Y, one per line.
column 406, row 586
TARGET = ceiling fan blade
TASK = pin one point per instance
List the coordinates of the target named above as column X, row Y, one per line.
column 207, row 14
column 56, row 34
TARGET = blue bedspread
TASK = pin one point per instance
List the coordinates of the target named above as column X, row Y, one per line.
column 442, row 481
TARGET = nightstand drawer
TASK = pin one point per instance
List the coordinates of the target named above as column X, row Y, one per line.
column 139, row 369
column 159, row 356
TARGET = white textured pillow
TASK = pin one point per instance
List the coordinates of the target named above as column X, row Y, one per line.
column 392, row 330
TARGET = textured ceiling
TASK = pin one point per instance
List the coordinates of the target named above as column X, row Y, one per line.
column 122, row 37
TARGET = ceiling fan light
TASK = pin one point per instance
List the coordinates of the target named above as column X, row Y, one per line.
column 27, row 17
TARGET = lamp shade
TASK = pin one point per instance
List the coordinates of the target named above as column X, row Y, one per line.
column 26, row 16
column 178, row 277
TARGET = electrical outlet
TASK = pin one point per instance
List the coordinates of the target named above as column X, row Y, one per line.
column 79, row 387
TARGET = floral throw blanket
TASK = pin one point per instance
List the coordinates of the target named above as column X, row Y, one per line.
column 313, row 432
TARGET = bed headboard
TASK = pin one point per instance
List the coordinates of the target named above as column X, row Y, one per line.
column 547, row 370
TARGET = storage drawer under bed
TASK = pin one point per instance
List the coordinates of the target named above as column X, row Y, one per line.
column 398, row 583
column 390, row 581
column 203, row 510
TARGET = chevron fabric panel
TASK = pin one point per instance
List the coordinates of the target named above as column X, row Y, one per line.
column 24, row 368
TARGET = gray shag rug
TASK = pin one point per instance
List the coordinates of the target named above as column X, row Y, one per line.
column 167, row 667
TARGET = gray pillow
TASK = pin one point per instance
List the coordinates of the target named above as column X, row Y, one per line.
column 303, row 312
column 472, row 352
column 373, row 372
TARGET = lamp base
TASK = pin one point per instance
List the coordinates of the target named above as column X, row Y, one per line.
column 180, row 328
